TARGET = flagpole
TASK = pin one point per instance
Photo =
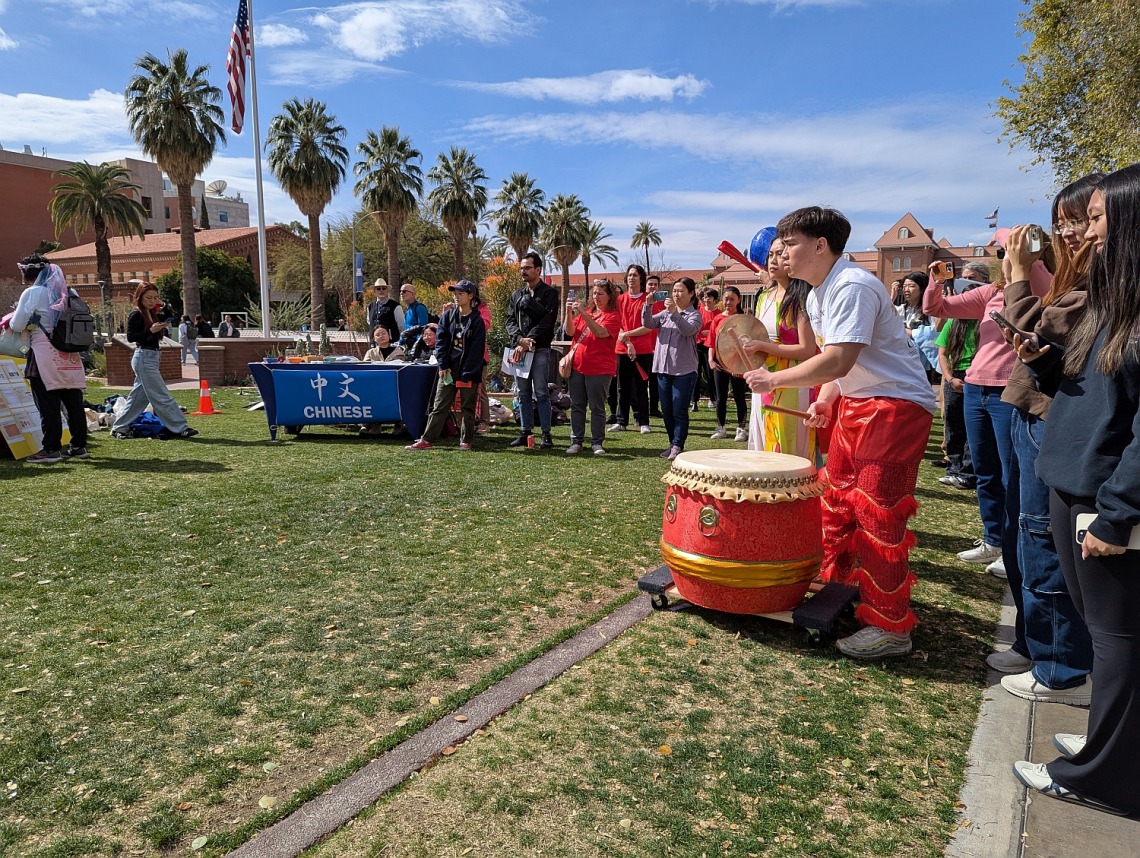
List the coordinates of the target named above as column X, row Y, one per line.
column 262, row 256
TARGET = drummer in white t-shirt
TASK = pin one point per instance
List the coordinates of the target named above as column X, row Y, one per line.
column 876, row 396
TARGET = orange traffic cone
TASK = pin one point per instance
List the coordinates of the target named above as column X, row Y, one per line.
column 205, row 402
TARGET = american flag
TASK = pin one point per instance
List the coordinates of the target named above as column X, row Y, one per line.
column 990, row 216
column 235, row 66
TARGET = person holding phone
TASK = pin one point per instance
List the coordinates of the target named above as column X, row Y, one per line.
column 1055, row 663
column 146, row 330
column 635, row 353
column 988, row 418
column 1090, row 459
column 725, row 380
column 675, row 359
column 594, row 331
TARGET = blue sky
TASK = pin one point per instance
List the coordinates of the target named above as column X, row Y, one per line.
column 708, row 118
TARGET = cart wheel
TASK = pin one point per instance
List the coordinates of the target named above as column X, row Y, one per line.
column 292, row 430
column 660, row 602
column 814, row 638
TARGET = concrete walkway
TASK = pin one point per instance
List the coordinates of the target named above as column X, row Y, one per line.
column 999, row 819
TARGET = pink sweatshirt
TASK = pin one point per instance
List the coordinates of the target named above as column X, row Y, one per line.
column 995, row 358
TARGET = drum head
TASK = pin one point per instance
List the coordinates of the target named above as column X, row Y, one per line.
column 736, row 464
column 729, row 353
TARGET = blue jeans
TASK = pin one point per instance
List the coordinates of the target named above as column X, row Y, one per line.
column 675, row 392
column 150, row 389
column 1055, row 635
column 987, row 428
column 535, row 389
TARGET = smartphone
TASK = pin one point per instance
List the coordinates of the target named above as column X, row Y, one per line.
column 660, row 295
column 1035, row 239
column 570, row 295
column 1085, row 520
column 944, row 270
column 1005, row 324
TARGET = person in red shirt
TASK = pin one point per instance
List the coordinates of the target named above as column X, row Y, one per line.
column 633, row 385
column 595, row 331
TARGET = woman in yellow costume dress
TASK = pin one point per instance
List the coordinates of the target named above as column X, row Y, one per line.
column 781, row 307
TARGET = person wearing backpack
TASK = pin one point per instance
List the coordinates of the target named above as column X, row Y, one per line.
column 146, row 331
column 56, row 377
column 188, row 337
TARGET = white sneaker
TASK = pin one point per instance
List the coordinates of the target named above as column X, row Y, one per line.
column 741, row 435
column 872, row 642
column 1037, row 777
column 1069, row 744
column 719, row 433
column 617, row 427
column 1026, row 686
column 982, row 552
column 997, row 569
column 645, row 430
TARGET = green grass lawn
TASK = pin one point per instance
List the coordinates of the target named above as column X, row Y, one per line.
column 191, row 627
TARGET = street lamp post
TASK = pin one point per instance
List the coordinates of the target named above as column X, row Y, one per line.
column 358, row 271
column 101, row 319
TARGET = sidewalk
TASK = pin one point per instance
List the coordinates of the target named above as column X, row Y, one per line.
column 998, row 819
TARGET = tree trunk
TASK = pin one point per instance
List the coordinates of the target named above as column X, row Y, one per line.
column 457, row 238
column 191, row 292
column 520, row 246
column 586, row 279
column 392, row 242
column 102, row 250
column 647, row 259
column 316, row 275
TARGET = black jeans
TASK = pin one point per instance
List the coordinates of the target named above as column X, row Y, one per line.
column 957, row 446
column 632, row 391
column 724, row 382
column 705, row 372
column 49, row 402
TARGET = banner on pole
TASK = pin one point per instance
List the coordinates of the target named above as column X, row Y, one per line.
column 358, row 272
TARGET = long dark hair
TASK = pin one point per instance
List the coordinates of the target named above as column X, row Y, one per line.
column 640, row 273
column 739, row 297
column 1114, row 281
column 1072, row 268
column 141, row 290
column 795, row 299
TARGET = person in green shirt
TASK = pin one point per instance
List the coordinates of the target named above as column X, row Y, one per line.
column 957, row 342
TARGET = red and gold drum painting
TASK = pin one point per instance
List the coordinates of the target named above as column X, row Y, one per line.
column 741, row 531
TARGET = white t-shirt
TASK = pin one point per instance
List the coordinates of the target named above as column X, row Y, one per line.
column 853, row 306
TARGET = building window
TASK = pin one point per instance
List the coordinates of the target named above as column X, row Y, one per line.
column 906, row 263
column 224, row 217
column 896, row 264
column 166, row 212
column 979, row 251
column 904, row 232
column 149, row 206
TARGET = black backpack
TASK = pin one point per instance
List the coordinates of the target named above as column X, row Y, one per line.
column 75, row 330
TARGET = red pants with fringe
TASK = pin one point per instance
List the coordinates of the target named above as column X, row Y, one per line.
column 871, row 471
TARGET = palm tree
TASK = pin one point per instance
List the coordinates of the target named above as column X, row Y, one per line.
column 308, row 160
column 390, row 184
column 99, row 197
column 563, row 229
column 459, row 197
column 174, row 116
column 594, row 249
column 520, row 212
column 645, row 235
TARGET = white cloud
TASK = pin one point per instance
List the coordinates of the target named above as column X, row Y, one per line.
column 316, row 68
column 781, row 5
column 168, row 10
column 6, row 41
column 279, row 35
column 377, row 30
column 601, row 87
column 44, row 120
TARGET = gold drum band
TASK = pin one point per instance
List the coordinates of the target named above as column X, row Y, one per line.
column 737, row 573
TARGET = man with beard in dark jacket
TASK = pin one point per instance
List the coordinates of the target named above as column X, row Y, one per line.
column 531, row 317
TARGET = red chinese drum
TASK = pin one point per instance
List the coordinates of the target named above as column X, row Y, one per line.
column 741, row 531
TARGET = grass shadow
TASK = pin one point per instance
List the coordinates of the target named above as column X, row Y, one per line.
column 152, row 466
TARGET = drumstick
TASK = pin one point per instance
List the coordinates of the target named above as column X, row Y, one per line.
column 791, row 412
column 741, row 354
column 729, row 250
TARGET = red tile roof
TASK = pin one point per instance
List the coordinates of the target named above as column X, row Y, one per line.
column 166, row 242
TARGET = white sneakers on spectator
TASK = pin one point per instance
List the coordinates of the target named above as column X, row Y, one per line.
column 871, row 642
column 997, row 569
column 1069, row 744
column 741, row 434
column 1009, row 661
column 1036, row 776
column 1026, row 686
column 645, row 430
column 719, row 433
column 982, row 552
column 616, row 427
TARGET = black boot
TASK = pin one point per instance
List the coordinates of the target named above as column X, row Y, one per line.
column 547, row 441
column 520, row 441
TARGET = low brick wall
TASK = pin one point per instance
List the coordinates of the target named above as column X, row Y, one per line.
column 119, row 353
column 226, row 359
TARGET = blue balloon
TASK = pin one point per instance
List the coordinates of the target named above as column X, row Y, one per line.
column 761, row 244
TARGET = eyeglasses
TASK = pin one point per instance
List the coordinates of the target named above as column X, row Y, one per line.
column 1070, row 225
column 405, row 291
column 526, row 268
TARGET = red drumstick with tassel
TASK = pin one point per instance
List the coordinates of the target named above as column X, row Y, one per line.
column 730, row 250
